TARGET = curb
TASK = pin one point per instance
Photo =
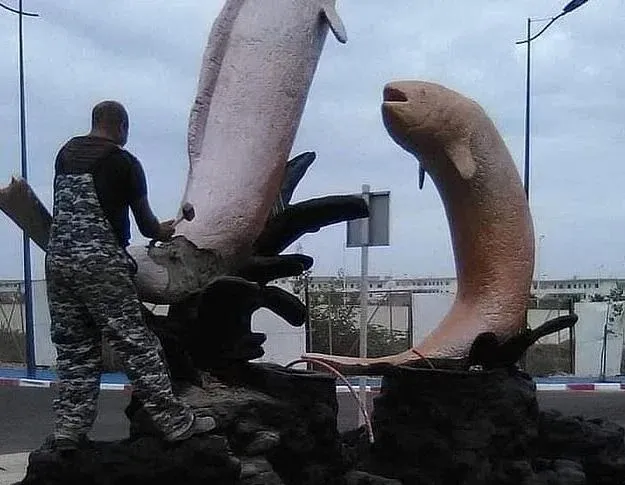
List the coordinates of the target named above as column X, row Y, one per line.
column 574, row 387
column 590, row 386
column 571, row 387
column 11, row 382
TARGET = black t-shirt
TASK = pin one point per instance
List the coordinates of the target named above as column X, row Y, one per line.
column 118, row 177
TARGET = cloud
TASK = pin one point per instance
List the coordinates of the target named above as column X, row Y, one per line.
column 147, row 55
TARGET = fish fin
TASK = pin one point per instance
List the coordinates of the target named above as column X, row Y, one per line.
column 421, row 176
column 295, row 170
column 212, row 58
column 335, row 23
column 460, row 155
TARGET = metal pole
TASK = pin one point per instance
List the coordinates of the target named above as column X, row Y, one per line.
column 333, row 318
column 364, row 297
column 572, row 338
column 604, row 349
column 28, row 288
column 390, row 314
column 526, row 182
column 526, row 173
column 411, row 341
column 307, row 321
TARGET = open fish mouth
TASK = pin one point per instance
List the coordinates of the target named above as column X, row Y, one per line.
column 394, row 95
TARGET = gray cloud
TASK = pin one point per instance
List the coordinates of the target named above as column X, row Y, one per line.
column 147, row 55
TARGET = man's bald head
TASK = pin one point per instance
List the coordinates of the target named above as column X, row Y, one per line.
column 109, row 119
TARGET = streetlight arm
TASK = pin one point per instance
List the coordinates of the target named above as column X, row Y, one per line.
column 13, row 10
column 544, row 28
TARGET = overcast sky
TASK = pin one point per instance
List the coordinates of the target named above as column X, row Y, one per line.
column 147, row 54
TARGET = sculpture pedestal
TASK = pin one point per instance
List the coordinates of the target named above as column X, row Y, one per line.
column 452, row 426
column 482, row 428
column 277, row 426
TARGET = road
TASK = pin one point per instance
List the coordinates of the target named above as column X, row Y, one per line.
column 26, row 413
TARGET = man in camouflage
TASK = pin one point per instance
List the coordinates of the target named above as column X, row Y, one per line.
column 90, row 285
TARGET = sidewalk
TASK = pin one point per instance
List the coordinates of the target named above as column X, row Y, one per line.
column 17, row 377
column 553, row 383
column 13, row 468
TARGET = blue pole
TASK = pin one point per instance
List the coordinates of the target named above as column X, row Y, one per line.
column 527, row 114
column 28, row 287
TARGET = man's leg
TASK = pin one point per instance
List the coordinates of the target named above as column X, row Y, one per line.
column 79, row 360
column 112, row 300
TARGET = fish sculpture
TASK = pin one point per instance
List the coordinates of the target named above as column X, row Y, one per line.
column 492, row 233
column 254, row 80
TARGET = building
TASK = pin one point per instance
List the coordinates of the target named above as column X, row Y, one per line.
column 579, row 289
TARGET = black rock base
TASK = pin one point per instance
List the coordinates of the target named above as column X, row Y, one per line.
column 482, row 428
column 277, row 426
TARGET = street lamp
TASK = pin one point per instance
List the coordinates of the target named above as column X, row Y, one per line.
column 28, row 285
column 538, row 274
column 569, row 7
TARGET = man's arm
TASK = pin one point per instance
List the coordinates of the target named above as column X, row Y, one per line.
column 147, row 222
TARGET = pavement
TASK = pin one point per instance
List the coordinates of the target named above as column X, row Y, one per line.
column 18, row 376
column 13, row 468
column 40, row 377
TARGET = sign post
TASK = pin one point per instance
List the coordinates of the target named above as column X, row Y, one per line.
column 362, row 233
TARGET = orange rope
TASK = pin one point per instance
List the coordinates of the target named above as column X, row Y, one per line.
column 423, row 357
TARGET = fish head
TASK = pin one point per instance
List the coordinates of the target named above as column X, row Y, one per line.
column 416, row 115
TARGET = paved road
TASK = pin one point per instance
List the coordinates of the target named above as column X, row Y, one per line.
column 26, row 413
column 609, row 405
column 26, row 417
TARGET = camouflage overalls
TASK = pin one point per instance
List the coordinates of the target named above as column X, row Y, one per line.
column 91, row 294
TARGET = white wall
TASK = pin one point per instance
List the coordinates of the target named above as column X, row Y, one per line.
column 428, row 310
column 284, row 343
column 589, row 340
column 45, row 353
column 537, row 316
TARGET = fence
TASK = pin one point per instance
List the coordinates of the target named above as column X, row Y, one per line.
column 335, row 322
column 594, row 347
column 553, row 354
column 12, row 328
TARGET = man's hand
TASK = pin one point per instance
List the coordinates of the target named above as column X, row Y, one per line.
column 166, row 230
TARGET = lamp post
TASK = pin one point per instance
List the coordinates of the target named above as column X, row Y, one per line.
column 28, row 287
column 538, row 274
column 569, row 7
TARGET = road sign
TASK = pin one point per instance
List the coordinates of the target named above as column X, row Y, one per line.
column 377, row 234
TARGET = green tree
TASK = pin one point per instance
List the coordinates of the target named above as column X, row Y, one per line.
column 335, row 327
column 333, row 324
column 380, row 341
